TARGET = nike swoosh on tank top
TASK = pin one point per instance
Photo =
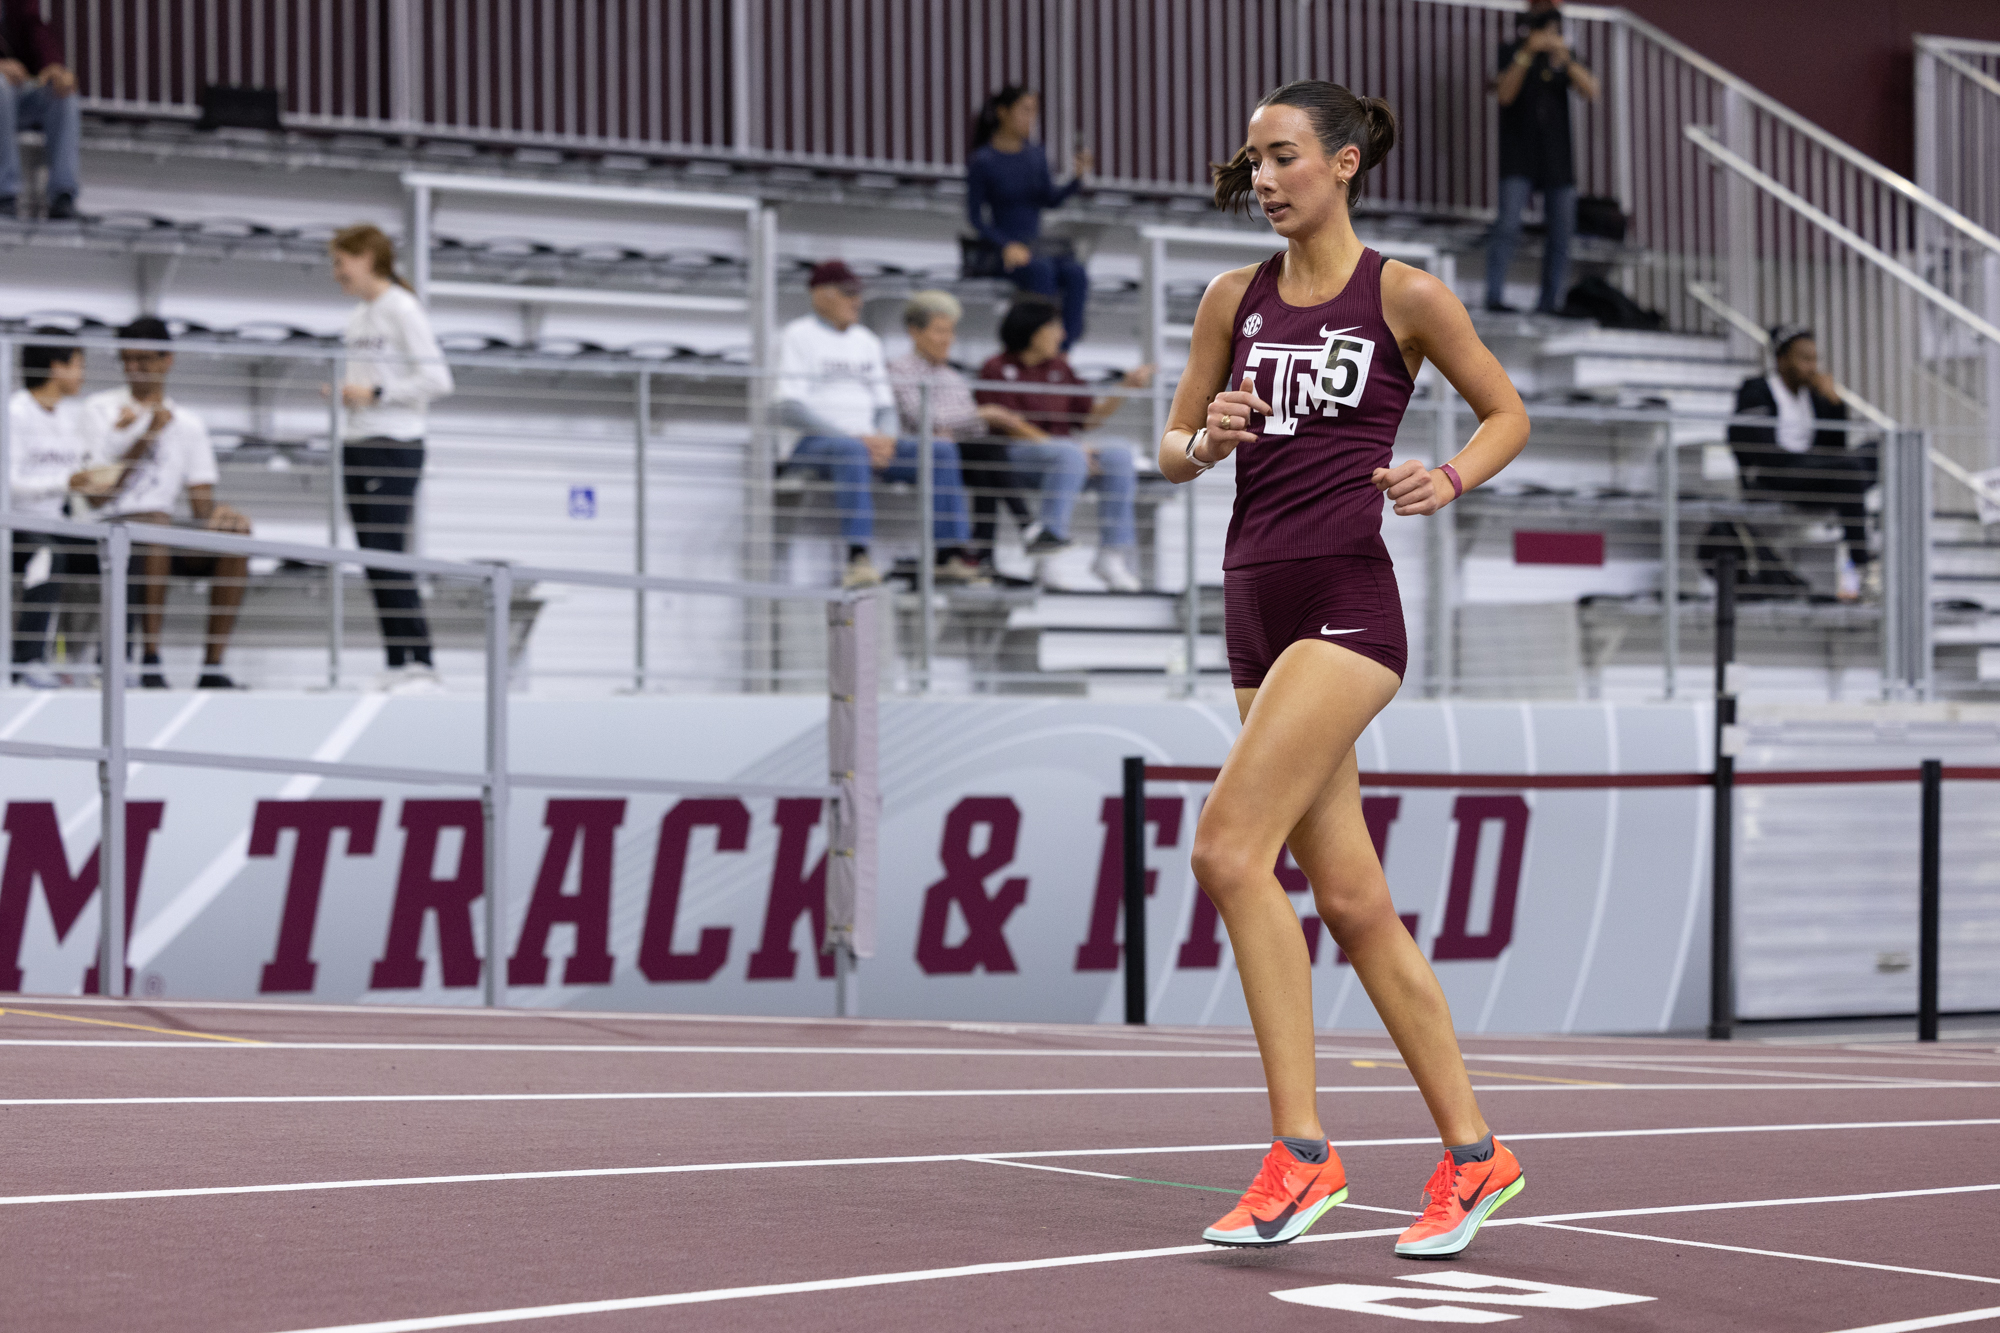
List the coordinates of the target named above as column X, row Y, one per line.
column 1337, row 383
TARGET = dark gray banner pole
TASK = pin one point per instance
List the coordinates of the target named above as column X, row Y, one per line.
column 1134, row 810
column 1927, row 902
column 1721, row 949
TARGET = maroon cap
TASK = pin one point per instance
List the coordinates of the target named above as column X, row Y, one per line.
column 834, row 273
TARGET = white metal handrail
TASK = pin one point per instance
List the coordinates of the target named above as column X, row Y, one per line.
column 1972, row 73
column 1958, row 123
column 851, row 750
column 1854, row 157
column 1859, row 245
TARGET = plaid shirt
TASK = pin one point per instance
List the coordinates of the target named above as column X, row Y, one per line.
column 953, row 413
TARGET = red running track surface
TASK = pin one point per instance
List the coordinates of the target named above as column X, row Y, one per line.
column 413, row 1169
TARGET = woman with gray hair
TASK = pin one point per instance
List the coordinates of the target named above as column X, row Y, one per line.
column 931, row 317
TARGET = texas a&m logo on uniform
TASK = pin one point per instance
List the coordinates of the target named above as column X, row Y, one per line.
column 1309, row 377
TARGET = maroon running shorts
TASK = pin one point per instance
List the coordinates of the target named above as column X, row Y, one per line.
column 1350, row 600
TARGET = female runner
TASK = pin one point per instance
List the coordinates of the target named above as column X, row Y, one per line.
column 1302, row 366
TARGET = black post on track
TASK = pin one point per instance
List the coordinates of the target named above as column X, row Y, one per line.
column 1721, row 948
column 1927, row 902
column 1134, row 809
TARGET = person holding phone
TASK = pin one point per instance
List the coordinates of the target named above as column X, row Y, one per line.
column 1008, row 187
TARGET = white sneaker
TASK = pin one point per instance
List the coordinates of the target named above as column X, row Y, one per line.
column 1117, row 575
column 410, row 678
column 36, row 676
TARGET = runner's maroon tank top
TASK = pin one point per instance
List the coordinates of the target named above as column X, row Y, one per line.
column 1336, row 379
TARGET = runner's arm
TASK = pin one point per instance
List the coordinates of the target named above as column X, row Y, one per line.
column 1207, row 368
column 1430, row 322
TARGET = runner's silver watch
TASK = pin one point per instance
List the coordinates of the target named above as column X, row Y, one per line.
column 1193, row 441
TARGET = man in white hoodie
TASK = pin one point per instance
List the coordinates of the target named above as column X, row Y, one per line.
column 50, row 445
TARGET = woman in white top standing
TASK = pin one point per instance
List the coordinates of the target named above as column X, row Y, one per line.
column 394, row 370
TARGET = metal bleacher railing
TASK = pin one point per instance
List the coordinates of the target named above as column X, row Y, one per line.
column 1551, row 581
column 851, row 682
column 1727, row 191
column 1958, row 124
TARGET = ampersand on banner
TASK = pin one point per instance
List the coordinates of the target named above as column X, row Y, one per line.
column 964, row 883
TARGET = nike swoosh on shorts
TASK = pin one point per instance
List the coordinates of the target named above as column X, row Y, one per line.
column 1324, row 630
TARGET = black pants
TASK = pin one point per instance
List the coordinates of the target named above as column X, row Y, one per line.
column 73, row 558
column 1834, row 479
column 381, row 478
column 991, row 482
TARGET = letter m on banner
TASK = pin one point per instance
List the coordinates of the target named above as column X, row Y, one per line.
column 35, row 852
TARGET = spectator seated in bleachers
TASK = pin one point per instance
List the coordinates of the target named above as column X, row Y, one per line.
column 37, row 92
column 1007, row 186
column 979, row 429
column 1793, row 459
column 1047, row 443
column 153, row 449
column 833, row 387
column 48, row 452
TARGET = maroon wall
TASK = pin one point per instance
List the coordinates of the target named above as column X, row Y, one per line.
column 1846, row 65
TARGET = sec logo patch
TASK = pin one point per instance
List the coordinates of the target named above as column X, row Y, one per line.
column 1252, row 324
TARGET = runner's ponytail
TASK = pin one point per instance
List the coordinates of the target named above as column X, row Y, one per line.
column 1339, row 119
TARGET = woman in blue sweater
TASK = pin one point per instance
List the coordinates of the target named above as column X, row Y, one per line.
column 1007, row 187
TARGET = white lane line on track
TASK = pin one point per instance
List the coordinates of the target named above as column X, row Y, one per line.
column 1773, row 1254
column 1043, row 1166
column 1742, row 1072
column 606, row 1048
column 571, row 1308
column 1933, row 1321
column 1143, row 1180
column 582, row 1173
column 837, row 1094
column 1675, row 1064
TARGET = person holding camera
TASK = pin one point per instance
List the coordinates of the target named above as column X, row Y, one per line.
column 1537, row 151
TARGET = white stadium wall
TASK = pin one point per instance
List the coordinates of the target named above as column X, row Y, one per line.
column 1574, row 910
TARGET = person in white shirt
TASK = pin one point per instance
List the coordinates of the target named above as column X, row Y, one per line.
column 1795, row 458
column 163, row 449
column 395, row 370
column 50, row 447
column 833, row 387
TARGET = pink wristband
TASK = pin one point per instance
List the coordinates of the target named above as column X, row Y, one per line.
column 1457, row 486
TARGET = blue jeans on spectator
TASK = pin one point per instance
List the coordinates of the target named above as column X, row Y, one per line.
column 33, row 106
column 844, row 460
column 1559, row 211
column 1062, row 279
column 1061, row 468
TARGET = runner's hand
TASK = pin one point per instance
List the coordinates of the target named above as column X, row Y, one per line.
column 1234, row 406
column 1415, row 488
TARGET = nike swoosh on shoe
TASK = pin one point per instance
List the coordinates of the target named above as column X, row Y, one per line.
column 1269, row 1229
